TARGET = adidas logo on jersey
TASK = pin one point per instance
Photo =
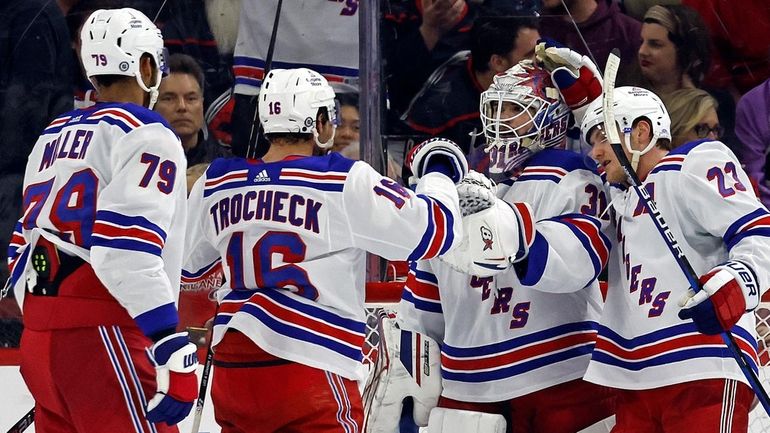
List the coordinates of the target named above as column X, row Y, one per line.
column 262, row 177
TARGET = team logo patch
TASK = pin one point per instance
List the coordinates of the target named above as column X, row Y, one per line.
column 123, row 66
column 486, row 236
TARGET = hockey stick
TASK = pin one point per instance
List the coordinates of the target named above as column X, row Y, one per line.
column 202, row 390
column 204, row 383
column 256, row 126
column 610, row 72
column 24, row 422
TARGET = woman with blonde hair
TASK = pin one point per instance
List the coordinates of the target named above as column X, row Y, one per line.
column 693, row 115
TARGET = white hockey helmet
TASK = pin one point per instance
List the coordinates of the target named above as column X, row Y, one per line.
column 289, row 101
column 530, row 89
column 629, row 105
column 113, row 41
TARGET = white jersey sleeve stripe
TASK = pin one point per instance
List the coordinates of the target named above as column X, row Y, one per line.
column 756, row 223
column 136, row 233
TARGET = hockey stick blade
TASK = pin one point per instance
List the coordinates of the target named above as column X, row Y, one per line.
column 610, row 73
column 24, row 422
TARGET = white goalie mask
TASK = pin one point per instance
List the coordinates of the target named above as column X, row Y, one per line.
column 629, row 105
column 289, row 101
column 521, row 113
column 113, row 42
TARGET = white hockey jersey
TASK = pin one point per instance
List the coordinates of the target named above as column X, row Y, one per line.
column 318, row 34
column 708, row 203
column 523, row 331
column 106, row 184
column 292, row 238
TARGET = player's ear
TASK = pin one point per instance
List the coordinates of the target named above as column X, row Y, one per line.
column 643, row 131
column 147, row 69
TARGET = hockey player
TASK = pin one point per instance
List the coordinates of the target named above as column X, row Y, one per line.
column 517, row 343
column 657, row 341
column 96, row 259
column 291, row 231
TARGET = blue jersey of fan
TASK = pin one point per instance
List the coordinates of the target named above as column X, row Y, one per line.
column 292, row 238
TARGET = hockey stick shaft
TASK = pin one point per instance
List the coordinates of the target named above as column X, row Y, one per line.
column 205, row 376
column 610, row 73
column 24, row 422
column 256, row 126
column 203, row 389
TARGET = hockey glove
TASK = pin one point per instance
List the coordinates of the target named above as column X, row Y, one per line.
column 493, row 239
column 476, row 193
column 729, row 291
column 575, row 75
column 175, row 361
column 437, row 155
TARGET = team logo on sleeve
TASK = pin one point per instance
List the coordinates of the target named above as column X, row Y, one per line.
column 486, row 236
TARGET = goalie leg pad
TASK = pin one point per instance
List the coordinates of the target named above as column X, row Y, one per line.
column 444, row 420
column 408, row 365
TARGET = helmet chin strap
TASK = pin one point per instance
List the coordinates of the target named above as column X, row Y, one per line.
column 153, row 91
column 636, row 154
column 328, row 143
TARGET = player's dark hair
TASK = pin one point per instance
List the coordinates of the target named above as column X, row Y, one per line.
column 297, row 137
column 179, row 63
column 495, row 34
column 109, row 80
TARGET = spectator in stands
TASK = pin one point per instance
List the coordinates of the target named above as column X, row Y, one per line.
column 180, row 102
column 752, row 126
column 347, row 135
column 675, row 54
column 601, row 26
column 35, row 86
column 186, row 30
column 448, row 104
column 675, row 50
column 420, row 35
column 693, row 115
column 739, row 33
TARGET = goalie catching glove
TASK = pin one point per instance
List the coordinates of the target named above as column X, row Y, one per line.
column 476, row 193
column 408, row 365
column 729, row 291
column 575, row 75
column 437, row 155
column 493, row 239
column 175, row 360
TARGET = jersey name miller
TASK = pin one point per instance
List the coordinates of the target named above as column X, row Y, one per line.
column 72, row 145
column 277, row 206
